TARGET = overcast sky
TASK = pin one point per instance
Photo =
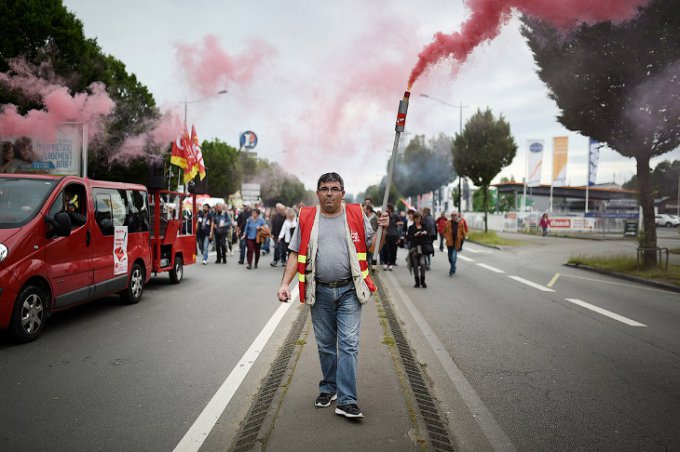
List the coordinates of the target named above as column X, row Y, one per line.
column 319, row 82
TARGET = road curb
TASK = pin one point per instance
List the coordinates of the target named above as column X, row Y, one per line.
column 636, row 279
column 496, row 247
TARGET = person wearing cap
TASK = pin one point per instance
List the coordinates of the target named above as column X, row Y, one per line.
column 328, row 251
column 72, row 207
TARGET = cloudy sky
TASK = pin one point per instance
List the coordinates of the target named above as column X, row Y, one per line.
column 319, row 82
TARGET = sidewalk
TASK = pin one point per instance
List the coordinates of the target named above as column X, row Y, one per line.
column 392, row 420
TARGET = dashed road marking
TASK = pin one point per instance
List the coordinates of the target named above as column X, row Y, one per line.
column 531, row 284
column 465, row 258
column 477, row 251
column 489, row 267
column 602, row 311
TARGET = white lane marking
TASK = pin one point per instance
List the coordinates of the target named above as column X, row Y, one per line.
column 199, row 431
column 494, row 433
column 465, row 258
column 609, row 314
column 489, row 267
column 639, row 286
column 531, row 284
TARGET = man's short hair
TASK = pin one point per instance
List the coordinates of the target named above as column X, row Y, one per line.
column 330, row 177
column 390, row 207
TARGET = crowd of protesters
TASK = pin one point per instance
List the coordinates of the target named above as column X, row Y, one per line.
column 259, row 231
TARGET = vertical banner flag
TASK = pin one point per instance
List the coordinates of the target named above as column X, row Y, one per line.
column 535, row 162
column 560, row 148
column 593, row 160
column 120, row 246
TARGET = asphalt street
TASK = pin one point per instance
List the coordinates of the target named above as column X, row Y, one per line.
column 562, row 359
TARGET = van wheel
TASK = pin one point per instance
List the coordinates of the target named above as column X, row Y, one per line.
column 29, row 314
column 135, row 288
column 177, row 272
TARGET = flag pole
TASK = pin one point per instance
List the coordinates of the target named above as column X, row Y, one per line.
column 399, row 128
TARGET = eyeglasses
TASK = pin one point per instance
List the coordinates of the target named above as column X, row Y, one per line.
column 334, row 190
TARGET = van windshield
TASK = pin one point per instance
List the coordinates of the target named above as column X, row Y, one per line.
column 21, row 199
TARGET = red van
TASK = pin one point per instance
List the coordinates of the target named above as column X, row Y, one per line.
column 65, row 241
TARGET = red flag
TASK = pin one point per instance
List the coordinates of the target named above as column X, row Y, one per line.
column 196, row 146
column 180, row 153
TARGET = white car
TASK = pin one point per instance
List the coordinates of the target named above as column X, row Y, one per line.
column 666, row 220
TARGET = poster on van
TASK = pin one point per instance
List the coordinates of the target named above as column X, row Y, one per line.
column 120, row 255
column 60, row 154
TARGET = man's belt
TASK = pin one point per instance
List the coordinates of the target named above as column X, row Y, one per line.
column 335, row 284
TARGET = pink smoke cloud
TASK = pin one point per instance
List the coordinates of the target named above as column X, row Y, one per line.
column 489, row 15
column 209, row 68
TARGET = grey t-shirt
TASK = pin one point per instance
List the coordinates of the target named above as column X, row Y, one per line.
column 332, row 256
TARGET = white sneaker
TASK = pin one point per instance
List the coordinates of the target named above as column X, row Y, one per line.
column 385, row 267
column 205, row 262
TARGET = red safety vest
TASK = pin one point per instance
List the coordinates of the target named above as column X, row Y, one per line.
column 355, row 220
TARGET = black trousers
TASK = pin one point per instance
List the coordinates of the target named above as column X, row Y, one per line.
column 391, row 249
column 221, row 246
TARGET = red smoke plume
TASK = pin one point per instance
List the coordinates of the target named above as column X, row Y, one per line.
column 209, row 68
column 60, row 104
column 488, row 16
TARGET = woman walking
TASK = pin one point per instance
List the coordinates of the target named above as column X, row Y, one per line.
column 545, row 224
column 454, row 234
column 420, row 246
column 253, row 225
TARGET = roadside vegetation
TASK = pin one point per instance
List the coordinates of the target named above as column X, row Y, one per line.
column 626, row 264
column 490, row 238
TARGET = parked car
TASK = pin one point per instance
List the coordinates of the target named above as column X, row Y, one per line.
column 668, row 221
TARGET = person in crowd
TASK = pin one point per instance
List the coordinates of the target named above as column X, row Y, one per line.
column 328, row 251
column 266, row 241
column 205, row 231
column 420, row 244
column 454, row 236
column 428, row 222
column 393, row 233
column 277, row 221
column 286, row 233
column 368, row 202
column 254, row 224
column 464, row 226
column 8, row 164
column 241, row 220
column 441, row 222
column 406, row 225
column 545, row 224
column 221, row 229
column 373, row 219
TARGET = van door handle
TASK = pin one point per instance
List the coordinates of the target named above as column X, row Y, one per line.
column 87, row 238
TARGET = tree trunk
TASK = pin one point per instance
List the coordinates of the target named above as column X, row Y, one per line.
column 648, row 236
column 485, row 192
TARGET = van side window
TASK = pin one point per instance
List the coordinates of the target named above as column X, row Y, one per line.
column 71, row 200
column 110, row 209
column 137, row 211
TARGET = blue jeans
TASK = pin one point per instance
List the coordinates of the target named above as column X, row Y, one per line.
column 241, row 250
column 206, row 247
column 336, row 317
column 453, row 256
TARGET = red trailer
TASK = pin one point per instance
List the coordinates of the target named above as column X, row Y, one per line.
column 173, row 232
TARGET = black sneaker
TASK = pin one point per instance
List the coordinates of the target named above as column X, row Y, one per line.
column 324, row 400
column 351, row 411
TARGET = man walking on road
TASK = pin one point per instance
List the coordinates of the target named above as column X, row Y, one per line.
column 328, row 251
column 241, row 220
column 276, row 221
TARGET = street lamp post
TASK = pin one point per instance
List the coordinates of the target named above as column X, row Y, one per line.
column 460, row 131
column 187, row 102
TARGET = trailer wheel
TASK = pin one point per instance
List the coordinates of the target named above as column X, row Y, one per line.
column 135, row 288
column 29, row 314
column 177, row 272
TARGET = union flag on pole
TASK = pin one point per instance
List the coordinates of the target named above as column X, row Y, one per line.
column 180, row 151
column 197, row 153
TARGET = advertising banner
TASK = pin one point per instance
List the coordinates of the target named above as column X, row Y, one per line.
column 560, row 149
column 59, row 155
column 120, row 254
column 593, row 159
column 535, row 162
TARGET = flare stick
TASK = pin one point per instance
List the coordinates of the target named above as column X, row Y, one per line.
column 399, row 128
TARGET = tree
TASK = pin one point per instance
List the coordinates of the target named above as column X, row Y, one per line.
column 618, row 84
column 664, row 179
column 223, row 168
column 483, row 148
